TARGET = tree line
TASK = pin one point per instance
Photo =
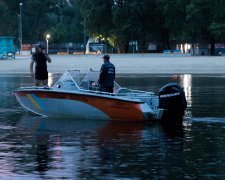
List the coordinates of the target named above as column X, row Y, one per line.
column 118, row 22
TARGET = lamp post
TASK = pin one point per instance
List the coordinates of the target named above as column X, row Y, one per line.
column 103, row 39
column 47, row 37
column 20, row 29
column 84, row 38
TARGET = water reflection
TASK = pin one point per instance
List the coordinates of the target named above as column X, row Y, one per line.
column 33, row 147
column 186, row 82
column 97, row 148
column 43, row 152
column 50, row 79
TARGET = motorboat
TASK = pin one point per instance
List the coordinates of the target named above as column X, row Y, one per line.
column 71, row 97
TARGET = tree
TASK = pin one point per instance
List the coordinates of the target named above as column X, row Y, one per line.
column 172, row 16
column 97, row 16
column 73, row 22
column 217, row 26
column 119, row 21
column 9, row 10
column 59, row 33
column 39, row 17
column 205, row 21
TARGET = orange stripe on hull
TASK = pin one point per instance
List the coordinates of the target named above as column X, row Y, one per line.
column 114, row 108
column 117, row 109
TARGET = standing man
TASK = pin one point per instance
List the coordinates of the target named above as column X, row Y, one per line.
column 107, row 75
column 41, row 74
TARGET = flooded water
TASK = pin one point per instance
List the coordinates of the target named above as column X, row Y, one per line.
column 35, row 147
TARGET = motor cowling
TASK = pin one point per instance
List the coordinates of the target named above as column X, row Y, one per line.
column 172, row 99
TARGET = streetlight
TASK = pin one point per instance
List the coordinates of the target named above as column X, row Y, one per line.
column 20, row 29
column 84, row 38
column 103, row 39
column 47, row 37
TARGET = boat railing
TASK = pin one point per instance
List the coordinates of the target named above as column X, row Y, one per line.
column 132, row 93
column 70, row 80
column 35, row 87
column 98, row 92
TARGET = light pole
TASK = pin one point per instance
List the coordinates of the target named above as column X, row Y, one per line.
column 103, row 39
column 20, row 29
column 47, row 37
column 84, row 38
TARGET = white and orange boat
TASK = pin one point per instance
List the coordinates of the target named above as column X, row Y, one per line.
column 71, row 98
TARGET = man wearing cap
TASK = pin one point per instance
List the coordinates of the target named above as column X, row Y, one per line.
column 107, row 75
column 40, row 58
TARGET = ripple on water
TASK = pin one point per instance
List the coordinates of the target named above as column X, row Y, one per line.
column 209, row 119
column 44, row 148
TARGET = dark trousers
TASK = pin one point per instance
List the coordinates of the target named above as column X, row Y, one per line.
column 107, row 89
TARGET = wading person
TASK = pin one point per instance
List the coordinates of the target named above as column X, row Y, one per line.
column 107, row 75
column 40, row 59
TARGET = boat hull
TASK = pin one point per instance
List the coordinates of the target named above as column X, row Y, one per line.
column 82, row 106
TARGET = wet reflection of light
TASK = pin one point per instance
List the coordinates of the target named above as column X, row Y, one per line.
column 50, row 79
column 186, row 82
column 187, row 125
column 58, row 146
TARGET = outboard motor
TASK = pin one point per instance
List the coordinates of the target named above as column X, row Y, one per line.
column 172, row 99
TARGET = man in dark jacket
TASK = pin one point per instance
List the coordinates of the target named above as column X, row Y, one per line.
column 107, row 75
column 40, row 58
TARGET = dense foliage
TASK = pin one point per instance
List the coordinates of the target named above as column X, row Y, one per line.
column 165, row 22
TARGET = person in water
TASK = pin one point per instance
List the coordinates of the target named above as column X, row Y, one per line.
column 41, row 74
column 107, row 75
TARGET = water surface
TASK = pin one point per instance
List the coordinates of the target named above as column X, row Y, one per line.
column 35, row 147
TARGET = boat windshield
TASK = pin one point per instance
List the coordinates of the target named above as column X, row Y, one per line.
column 70, row 80
column 90, row 81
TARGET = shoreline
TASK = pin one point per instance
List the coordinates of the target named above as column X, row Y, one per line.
column 125, row 64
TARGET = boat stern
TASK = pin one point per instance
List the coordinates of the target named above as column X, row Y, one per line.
column 148, row 113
